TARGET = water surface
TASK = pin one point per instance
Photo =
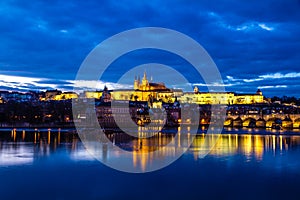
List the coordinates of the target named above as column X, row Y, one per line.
column 53, row 164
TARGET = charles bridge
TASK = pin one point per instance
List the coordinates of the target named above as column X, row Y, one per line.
column 275, row 120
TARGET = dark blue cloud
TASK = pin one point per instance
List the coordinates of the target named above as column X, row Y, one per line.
column 245, row 39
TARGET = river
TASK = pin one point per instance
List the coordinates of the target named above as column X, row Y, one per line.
column 243, row 164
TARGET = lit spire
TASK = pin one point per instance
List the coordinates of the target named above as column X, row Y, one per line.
column 145, row 76
column 145, row 81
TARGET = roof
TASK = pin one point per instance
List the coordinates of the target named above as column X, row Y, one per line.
column 250, row 94
column 157, row 84
column 209, row 93
column 69, row 93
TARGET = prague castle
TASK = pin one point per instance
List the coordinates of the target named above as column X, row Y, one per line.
column 145, row 90
column 156, row 93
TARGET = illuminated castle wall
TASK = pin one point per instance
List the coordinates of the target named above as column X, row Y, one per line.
column 145, row 90
column 221, row 97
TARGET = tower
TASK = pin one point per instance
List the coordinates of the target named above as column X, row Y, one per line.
column 145, row 81
column 106, row 96
column 136, row 84
column 259, row 92
column 196, row 90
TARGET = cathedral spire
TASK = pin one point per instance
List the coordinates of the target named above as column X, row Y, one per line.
column 145, row 75
column 136, row 82
column 145, row 81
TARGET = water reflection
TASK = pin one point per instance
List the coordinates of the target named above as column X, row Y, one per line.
column 19, row 147
column 251, row 146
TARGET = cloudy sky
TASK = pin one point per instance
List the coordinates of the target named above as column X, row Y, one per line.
column 255, row 44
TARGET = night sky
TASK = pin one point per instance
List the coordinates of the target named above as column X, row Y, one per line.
column 255, row 44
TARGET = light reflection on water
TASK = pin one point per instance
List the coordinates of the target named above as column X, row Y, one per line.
column 21, row 147
column 251, row 146
column 240, row 166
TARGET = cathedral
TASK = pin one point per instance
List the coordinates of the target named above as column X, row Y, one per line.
column 145, row 85
column 149, row 91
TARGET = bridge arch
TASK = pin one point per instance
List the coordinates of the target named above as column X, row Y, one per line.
column 287, row 122
column 228, row 122
column 204, row 121
column 296, row 123
column 260, row 123
column 249, row 122
column 274, row 123
column 238, row 122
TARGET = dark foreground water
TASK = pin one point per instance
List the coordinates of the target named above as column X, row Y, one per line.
column 55, row 165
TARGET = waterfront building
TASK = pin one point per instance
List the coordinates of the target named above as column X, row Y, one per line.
column 121, row 113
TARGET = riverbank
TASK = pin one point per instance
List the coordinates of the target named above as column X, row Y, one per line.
column 226, row 130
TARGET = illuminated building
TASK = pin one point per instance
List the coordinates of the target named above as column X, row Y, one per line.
column 50, row 94
column 149, row 91
column 249, row 98
column 145, row 90
column 111, row 115
column 158, row 92
column 66, row 95
column 93, row 94
column 208, row 98
column 221, row 97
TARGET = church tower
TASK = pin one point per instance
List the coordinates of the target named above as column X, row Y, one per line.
column 196, row 90
column 259, row 92
column 106, row 96
column 136, row 84
column 145, row 81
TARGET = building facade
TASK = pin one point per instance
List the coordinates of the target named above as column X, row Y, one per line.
column 156, row 93
column 145, row 90
column 226, row 98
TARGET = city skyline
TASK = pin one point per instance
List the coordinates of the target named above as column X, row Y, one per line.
column 151, row 99
column 253, row 44
column 81, row 87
